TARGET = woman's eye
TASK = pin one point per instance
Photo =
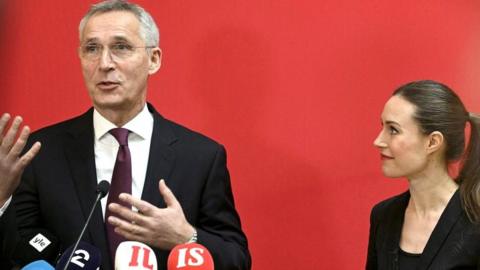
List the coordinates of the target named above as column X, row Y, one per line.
column 393, row 130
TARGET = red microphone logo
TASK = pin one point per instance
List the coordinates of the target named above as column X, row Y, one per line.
column 134, row 255
column 134, row 260
column 190, row 256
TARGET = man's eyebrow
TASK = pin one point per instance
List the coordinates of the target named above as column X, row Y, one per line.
column 115, row 38
column 89, row 40
column 121, row 38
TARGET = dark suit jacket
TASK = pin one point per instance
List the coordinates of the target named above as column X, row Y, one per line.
column 7, row 237
column 58, row 188
column 454, row 243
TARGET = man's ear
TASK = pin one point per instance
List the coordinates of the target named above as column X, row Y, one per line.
column 435, row 141
column 155, row 60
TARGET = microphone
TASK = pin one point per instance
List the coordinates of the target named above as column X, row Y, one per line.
column 102, row 190
column 133, row 255
column 36, row 245
column 38, row 265
column 190, row 256
column 85, row 257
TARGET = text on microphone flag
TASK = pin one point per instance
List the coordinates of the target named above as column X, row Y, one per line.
column 134, row 255
column 190, row 256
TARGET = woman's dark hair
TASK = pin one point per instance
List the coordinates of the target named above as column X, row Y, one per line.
column 438, row 108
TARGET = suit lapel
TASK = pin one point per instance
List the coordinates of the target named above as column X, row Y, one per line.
column 161, row 158
column 79, row 151
column 396, row 218
column 447, row 220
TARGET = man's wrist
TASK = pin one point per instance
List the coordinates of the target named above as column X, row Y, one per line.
column 194, row 237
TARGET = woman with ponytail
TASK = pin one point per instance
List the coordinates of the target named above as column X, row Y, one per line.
column 435, row 224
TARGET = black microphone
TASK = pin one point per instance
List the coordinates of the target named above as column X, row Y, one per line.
column 87, row 257
column 102, row 190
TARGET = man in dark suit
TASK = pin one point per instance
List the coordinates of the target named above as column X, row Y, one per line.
column 193, row 201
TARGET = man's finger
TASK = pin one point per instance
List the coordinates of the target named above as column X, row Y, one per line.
column 167, row 195
column 127, row 214
column 126, row 227
column 20, row 143
column 3, row 123
column 27, row 157
column 11, row 133
column 130, row 236
column 144, row 207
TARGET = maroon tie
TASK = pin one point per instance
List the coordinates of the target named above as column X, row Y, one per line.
column 121, row 183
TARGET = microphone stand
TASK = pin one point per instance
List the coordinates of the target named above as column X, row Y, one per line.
column 101, row 194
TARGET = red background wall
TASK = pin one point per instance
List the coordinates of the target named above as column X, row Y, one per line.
column 294, row 89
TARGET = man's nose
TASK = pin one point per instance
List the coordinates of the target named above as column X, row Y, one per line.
column 106, row 60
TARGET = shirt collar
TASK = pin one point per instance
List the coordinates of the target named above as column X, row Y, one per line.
column 141, row 124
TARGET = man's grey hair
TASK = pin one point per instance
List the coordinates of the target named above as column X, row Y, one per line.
column 148, row 28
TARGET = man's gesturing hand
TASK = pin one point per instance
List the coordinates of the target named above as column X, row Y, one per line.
column 163, row 228
column 11, row 163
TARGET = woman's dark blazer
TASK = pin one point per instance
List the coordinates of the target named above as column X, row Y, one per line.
column 454, row 243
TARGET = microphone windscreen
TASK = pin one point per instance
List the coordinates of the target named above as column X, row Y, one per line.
column 134, row 255
column 38, row 265
column 103, row 188
column 35, row 245
column 190, row 256
column 86, row 257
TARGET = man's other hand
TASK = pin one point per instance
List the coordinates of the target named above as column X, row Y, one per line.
column 12, row 163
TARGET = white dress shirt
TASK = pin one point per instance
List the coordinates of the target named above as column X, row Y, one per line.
column 106, row 148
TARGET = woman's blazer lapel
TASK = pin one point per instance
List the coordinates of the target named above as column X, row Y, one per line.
column 450, row 216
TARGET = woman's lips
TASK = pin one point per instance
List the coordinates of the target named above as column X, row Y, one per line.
column 385, row 157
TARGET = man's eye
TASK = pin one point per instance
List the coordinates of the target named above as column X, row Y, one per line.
column 121, row 47
column 91, row 48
